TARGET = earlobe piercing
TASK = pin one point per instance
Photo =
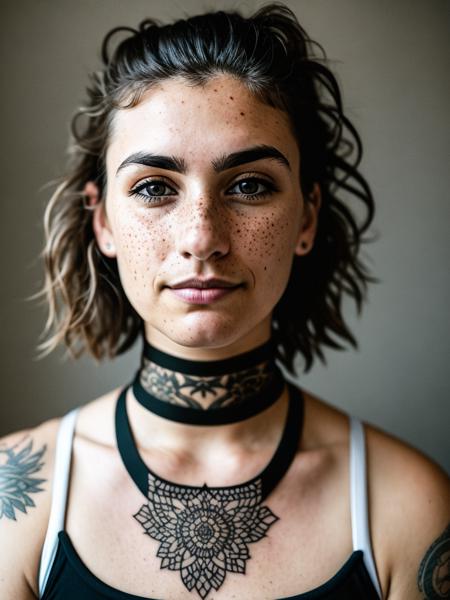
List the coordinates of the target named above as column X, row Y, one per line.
column 304, row 245
column 109, row 246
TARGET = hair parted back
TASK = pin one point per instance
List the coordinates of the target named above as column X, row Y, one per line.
column 274, row 57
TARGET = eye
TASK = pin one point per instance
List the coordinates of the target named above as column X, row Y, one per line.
column 152, row 191
column 252, row 187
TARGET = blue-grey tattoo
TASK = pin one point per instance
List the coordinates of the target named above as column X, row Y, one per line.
column 16, row 481
column 434, row 571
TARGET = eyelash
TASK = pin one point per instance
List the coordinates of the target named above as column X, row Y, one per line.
column 155, row 199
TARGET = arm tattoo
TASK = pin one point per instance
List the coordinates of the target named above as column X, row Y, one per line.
column 16, row 483
column 434, row 571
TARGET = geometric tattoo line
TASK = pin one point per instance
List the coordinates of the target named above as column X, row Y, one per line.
column 434, row 571
column 16, row 482
column 204, row 532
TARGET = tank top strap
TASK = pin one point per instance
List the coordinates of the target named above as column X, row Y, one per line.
column 61, row 477
column 359, row 499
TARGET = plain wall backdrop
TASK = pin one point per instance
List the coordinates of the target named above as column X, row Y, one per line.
column 392, row 59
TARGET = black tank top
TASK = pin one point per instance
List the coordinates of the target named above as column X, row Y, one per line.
column 64, row 576
column 70, row 579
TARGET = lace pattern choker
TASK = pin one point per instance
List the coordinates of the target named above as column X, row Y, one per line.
column 204, row 531
column 255, row 383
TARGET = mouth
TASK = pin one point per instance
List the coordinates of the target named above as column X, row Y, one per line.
column 196, row 282
column 196, row 291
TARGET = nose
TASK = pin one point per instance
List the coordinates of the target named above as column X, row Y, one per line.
column 205, row 232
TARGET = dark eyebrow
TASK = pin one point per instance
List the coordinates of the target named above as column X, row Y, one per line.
column 249, row 155
column 171, row 163
column 222, row 163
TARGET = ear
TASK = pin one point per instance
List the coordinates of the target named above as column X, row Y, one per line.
column 309, row 222
column 100, row 224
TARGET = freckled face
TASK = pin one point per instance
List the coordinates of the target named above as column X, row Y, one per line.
column 238, row 223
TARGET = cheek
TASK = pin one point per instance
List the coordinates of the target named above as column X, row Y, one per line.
column 141, row 247
column 268, row 242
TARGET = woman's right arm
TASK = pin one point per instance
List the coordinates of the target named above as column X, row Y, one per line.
column 26, row 469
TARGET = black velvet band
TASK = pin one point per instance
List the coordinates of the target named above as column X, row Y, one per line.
column 236, row 363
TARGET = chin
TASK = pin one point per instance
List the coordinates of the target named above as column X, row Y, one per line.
column 202, row 330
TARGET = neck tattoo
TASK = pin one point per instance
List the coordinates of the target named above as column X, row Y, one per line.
column 208, row 392
column 204, row 393
column 203, row 531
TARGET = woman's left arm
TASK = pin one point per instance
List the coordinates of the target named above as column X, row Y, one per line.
column 411, row 497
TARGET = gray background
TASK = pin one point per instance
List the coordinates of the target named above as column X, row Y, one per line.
column 392, row 59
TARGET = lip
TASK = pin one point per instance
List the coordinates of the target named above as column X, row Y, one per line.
column 202, row 296
column 197, row 282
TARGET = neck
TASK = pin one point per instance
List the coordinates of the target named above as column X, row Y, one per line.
column 206, row 387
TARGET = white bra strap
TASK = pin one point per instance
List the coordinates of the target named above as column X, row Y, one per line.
column 359, row 502
column 61, row 476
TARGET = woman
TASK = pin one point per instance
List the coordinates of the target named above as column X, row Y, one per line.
column 204, row 211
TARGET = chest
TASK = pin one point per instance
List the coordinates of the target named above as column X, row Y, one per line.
column 305, row 544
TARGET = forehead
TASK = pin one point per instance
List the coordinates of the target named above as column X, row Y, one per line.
column 198, row 122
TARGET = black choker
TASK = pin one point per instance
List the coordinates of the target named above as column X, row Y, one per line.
column 264, row 397
column 246, row 360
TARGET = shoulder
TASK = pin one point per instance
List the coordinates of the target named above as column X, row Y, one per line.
column 26, row 461
column 401, row 469
column 410, row 495
column 395, row 469
column 409, row 504
column 414, row 484
column 26, row 467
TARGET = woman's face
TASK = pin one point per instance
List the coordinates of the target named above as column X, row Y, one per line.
column 203, row 182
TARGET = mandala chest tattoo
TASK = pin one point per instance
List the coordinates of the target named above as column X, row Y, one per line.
column 204, row 532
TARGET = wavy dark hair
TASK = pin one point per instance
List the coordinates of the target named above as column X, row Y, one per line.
column 273, row 56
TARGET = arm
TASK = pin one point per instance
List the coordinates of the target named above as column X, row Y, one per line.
column 422, row 567
column 26, row 465
column 413, row 501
